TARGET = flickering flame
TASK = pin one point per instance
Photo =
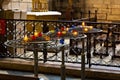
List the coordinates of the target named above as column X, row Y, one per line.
column 26, row 38
column 83, row 23
column 52, row 31
column 75, row 33
column 90, row 27
column 47, row 38
column 64, row 32
column 86, row 29
column 36, row 34
column 67, row 29
column 59, row 33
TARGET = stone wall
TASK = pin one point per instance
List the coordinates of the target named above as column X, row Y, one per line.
column 64, row 8
column 108, row 10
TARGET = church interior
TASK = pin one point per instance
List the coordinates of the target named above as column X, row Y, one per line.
column 59, row 40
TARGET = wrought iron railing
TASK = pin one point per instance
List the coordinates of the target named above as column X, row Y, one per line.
column 17, row 29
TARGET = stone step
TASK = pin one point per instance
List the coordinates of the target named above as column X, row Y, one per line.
column 72, row 69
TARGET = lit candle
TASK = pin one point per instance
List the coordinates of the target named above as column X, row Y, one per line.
column 47, row 38
column 83, row 23
column 90, row 27
column 75, row 33
column 26, row 38
column 64, row 32
column 67, row 29
column 59, row 33
column 52, row 31
column 36, row 34
column 85, row 29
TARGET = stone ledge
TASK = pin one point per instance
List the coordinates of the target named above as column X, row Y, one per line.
column 71, row 70
column 14, row 77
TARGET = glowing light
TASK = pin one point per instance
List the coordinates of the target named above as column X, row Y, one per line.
column 52, row 31
column 47, row 38
column 75, row 33
column 26, row 38
column 86, row 29
column 36, row 34
column 90, row 27
column 59, row 33
column 67, row 29
column 64, row 32
column 83, row 24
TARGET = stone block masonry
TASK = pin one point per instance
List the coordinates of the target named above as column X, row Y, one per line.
column 108, row 10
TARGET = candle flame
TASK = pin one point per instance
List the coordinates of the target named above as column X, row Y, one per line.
column 85, row 29
column 83, row 23
column 26, row 38
column 36, row 34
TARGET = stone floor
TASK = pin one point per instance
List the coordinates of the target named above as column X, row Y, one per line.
column 106, row 60
column 41, row 76
column 9, row 65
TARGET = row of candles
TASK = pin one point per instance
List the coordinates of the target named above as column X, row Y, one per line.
column 58, row 32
